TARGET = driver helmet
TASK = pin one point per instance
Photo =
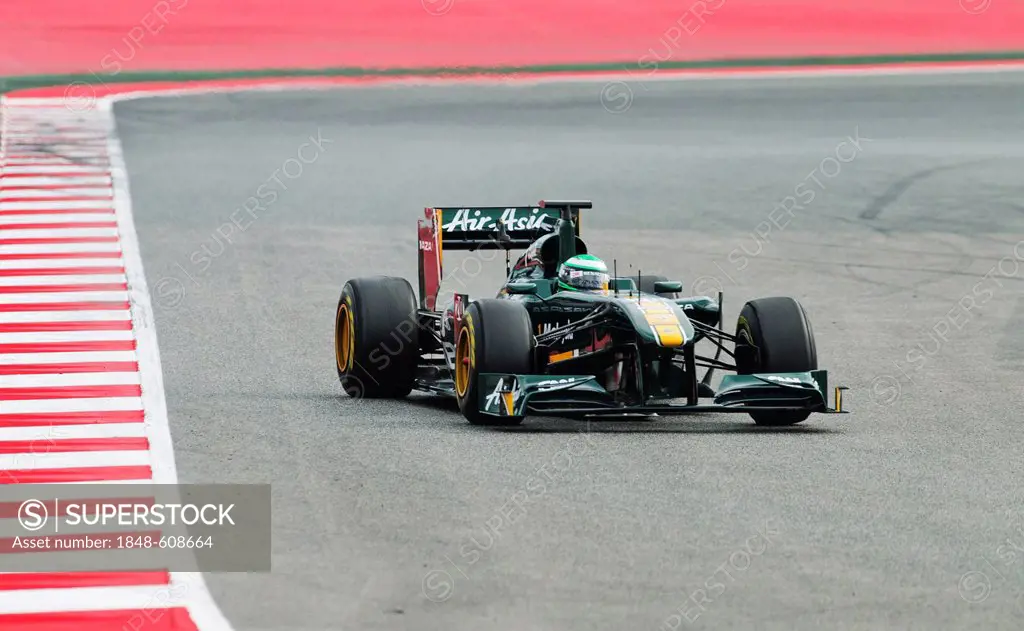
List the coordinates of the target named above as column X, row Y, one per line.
column 583, row 272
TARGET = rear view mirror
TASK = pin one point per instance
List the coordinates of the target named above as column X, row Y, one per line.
column 667, row 287
column 521, row 287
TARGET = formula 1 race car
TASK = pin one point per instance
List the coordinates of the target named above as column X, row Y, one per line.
column 620, row 346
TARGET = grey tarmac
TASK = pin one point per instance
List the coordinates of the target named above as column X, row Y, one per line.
column 891, row 207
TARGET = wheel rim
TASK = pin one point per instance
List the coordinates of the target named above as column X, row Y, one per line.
column 343, row 337
column 462, row 361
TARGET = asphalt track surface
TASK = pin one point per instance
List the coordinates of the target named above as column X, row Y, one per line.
column 868, row 521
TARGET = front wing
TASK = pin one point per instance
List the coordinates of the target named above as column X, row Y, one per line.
column 582, row 395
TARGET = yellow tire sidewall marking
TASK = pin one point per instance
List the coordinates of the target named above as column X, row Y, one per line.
column 744, row 326
column 338, row 334
column 351, row 333
column 462, row 371
column 344, row 335
column 472, row 340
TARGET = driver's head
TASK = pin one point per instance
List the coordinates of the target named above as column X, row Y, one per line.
column 583, row 272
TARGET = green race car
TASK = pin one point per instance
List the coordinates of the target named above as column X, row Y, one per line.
column 564, row 337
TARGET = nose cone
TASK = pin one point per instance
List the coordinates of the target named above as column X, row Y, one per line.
column 668, row 323
column 669, row 335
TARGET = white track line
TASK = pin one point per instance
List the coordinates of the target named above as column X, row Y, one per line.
column 29, row 137
column 71, row 296
column 42, row 435
column 47, row 181
column 73, row 405
column 64, row 460
column 76, row 279
column 47, row 169
column 70, row 379
column 622, row 76
column 61, row 248
column 84, row 599
column 21, row 317
column 55, row 205
column 111, row 258
column 8, row 359
column 49, row 337
column 104, row 483
column 49, row 278
column 63, row 152
column 36, row 162
column 60, row 233
column 24, row 143
column 68, row 193
column 55, row 218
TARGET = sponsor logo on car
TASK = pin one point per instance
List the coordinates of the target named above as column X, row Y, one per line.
column 468, row 219
column 551, row 384
column 783, row 379
column 561, row 308
column 547, row 327
column 503, row 395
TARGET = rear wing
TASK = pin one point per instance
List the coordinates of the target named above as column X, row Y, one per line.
column 483, row 228
column 493, row 228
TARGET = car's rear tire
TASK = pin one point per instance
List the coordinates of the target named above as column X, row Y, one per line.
column 376, row 342
column 647, row 286
column 496, row 337
column 774, row 335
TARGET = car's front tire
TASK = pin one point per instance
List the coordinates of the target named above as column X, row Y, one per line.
column 496, row 336
column 775, row 336
column 376, row 342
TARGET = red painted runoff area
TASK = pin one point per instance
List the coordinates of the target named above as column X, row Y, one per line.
column 114, row 36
